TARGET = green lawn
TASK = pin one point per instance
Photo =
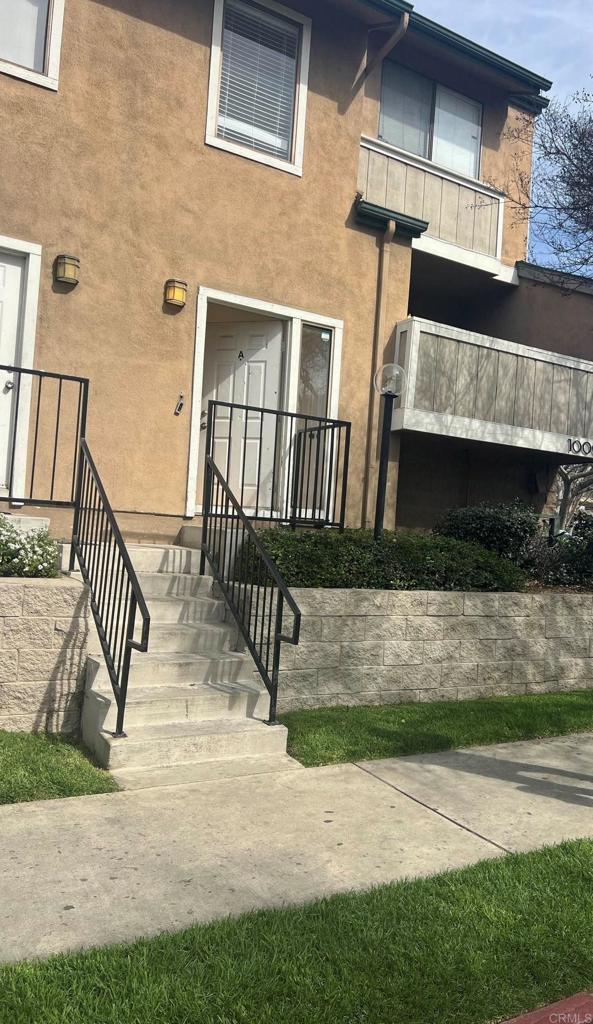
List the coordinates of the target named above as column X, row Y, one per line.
column 42, row 767
column 331, row 735
column 469, row 947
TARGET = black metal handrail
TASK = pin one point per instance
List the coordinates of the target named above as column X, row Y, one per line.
column 298, row 475
column 47, row 423
column 116, row 596
column 249, row 579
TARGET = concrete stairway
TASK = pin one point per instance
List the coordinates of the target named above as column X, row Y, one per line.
column 196, row 707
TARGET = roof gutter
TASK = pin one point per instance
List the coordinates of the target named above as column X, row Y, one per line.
column 391, row 6
column 378, row 341
column 397, row 31
column 419, row 23
column 375, row 216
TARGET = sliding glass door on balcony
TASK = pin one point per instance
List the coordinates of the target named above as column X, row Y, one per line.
column 428, row 120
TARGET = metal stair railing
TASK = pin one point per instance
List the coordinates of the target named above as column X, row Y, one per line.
column 249, row 580
column 107, row 570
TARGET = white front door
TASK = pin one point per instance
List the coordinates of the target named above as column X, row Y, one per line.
column 243, row 366
column 12, row 276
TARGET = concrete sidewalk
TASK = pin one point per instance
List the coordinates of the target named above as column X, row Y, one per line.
column 96, row 870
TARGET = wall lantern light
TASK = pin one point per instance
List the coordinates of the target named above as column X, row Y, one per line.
column 390, row 383
column 175, row 292
column 67, row 269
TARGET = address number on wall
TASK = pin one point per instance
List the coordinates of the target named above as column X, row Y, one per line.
column 577, row 447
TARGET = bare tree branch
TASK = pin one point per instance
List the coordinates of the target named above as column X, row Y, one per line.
column 557, row 197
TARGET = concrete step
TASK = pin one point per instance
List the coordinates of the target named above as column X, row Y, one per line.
column 181, row 638
column 164, row 558
column 204, row 771
column 174, row 584
column 190, row 702
column 185, row 610
column 166, row 669
column 182, row 742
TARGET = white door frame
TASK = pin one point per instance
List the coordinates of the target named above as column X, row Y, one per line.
column 294, row 319
column 28, row 329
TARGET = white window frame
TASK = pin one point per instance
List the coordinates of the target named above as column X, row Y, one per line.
column 295, row 165
column 48, row 78
column 294, row 319
column 31, row 251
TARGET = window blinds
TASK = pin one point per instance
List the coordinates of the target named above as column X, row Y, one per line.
column 406, row 108
column 260, row 54
column 407, row 118
column 457, row 132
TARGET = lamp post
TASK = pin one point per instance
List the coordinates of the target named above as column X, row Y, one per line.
column 390, row 383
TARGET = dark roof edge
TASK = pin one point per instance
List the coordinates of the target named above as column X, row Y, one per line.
column 529, row 102
column 470, row 49
column 392, row 6
column 379, row 217
column 556, row 278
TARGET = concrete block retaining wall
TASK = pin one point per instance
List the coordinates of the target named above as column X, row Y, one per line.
column 380, row 647
column 43, row 649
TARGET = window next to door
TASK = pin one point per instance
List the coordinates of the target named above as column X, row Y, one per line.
column 426, row 119
column 30, row 39
column 258, row 82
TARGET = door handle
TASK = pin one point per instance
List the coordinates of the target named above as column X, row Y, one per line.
column 203, row 418
column 9, row 385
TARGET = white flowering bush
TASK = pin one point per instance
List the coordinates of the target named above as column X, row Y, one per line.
column 27, row 554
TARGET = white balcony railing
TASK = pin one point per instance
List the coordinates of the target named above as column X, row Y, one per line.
column 467, row 385
column 461, row 212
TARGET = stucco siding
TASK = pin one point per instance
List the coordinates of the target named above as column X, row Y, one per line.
column 114, row 170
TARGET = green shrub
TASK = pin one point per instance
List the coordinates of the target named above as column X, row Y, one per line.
column 582, row 526
column 568, row 562
column 399, row 561
column 32, row 554
column 506, row 529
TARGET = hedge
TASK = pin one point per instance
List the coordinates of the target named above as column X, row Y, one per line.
column 399, row 561
column 506, row 529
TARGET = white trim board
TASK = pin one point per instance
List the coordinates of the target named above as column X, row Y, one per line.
column 295, row 319
column 446, row 425
column 49, row 78
column 476, row 260
column 28, row 331
column 295, row 164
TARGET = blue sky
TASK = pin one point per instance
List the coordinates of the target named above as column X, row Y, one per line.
column 552, row 37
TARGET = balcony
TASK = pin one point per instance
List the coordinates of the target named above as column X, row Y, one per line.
column 467, row 385
column 465, row 217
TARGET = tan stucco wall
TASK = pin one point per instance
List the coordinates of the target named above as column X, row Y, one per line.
column 506, row 150
column 113, row 169
column 539, row 314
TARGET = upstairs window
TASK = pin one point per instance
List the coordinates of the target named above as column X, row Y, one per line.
column 23, row 32
column 30, row 32
column 422, row 117
column 258, row 81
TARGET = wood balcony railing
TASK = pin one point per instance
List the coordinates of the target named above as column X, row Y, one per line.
column 460, row 211
column 467, row 385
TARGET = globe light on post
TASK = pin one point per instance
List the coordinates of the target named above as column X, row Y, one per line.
column 390, row 383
